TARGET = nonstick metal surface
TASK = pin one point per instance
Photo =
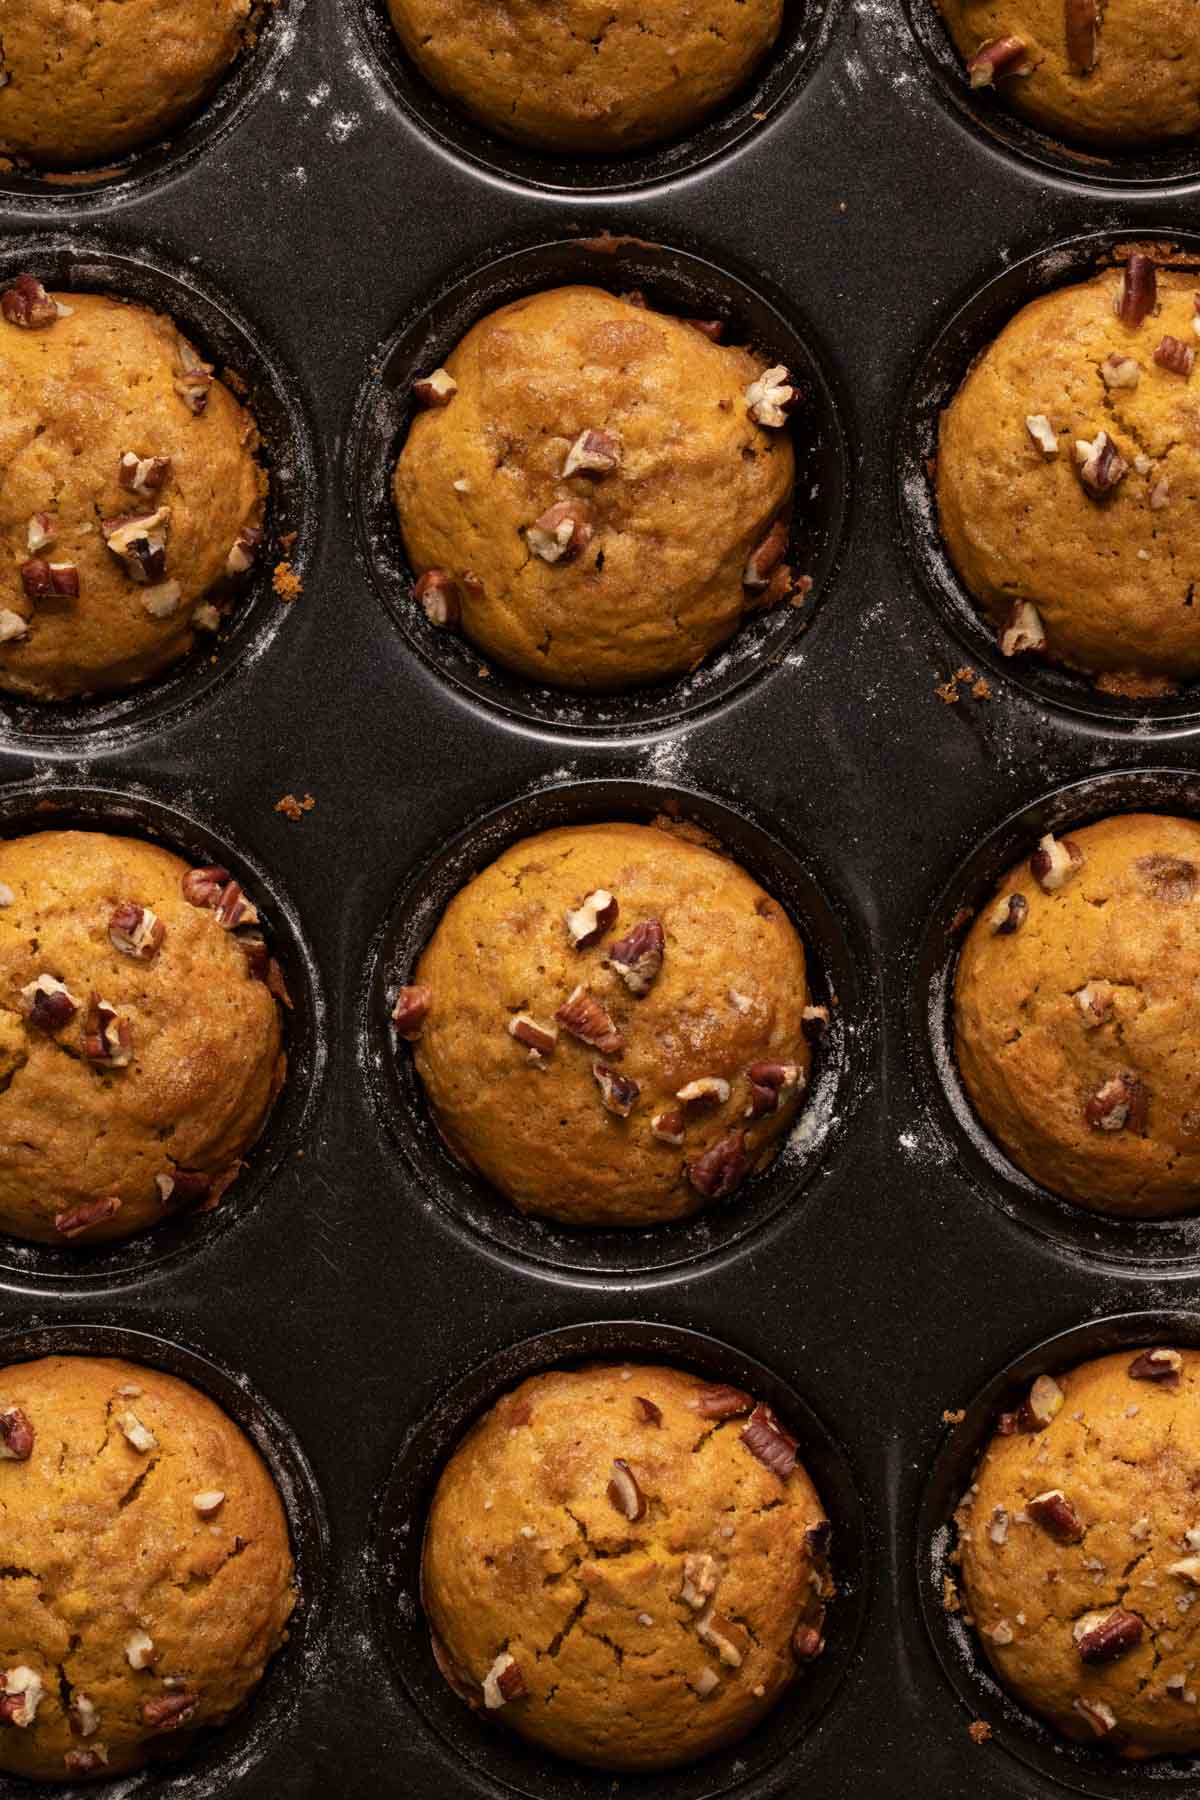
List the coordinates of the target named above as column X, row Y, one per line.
column 326, row 222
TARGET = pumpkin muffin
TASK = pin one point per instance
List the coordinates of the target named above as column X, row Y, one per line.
column 150, row 1578
column 1072, row 1005
column 1121, row 75
column 84, row 81
column 597, row 492
column 140, row 1042
column 1078, row 1545
column 583, row 76
column 1067, row 475
column 609, row 1023
column 626, row 1566
column 131, row 495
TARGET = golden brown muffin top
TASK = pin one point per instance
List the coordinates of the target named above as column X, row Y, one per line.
column 1072, row 1007
column 691, row 487
column 585, row 75
column 87, row 80
column 1034, row 508
column 1119, row 74
column 99, row 425
column 612, row 1571
column 724, row 996
column 148, row 1079
column 148, row 1578
column 1079, row 1547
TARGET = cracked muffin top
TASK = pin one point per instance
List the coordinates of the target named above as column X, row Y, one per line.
column 1067, row 475
column 1117, row 74
column 1078, row 1546
column 626, row 1566
column 1073, row 1002
column 82, row 81
column 131, row 495
column 140, row 1039
column 609, row 1023
column 584, row 75
column 148, row 1576
column 597, row 491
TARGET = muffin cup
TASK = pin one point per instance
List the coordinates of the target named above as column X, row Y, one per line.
column 288, row 454
column 1076, row 1766
column 215, row 1761
column 504, row 1760
column 51, row 806
column 678, row 281
column 837, row 975
column 940, row 374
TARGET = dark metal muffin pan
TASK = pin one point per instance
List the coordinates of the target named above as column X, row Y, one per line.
column 330, row 226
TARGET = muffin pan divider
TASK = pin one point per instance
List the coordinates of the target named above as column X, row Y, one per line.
column 869, row 208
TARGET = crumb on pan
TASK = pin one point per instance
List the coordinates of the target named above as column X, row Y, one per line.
column 294, row 809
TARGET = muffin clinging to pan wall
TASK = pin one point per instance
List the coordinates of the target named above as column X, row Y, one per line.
column 597, row 491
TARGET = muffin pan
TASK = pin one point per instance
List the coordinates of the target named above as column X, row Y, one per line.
column 322, row 230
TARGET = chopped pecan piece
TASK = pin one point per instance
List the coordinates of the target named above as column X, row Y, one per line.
column 107, row 1039
column 1043, row 433
column 78, row 1219
column 204, row 887
column 647, row 1411
column 161, row 600
column 135, row 1433
column 1117, row 371
column 807, row 1643
column 763, row 561
column 594, row 452
column 12, row 625
column 181, row 1189
column 1119, row 1105
column 169, row 1712
column 22, row 1694
column 1008, row 915
column 49, row 1004
column 208, row 1502
column 1160, row 494
column 1173, row 354
column 700, row 1578
column 1022, row 629
column 723, row 1402
column 143, row 475
column 772, row 397
column 411, row 1010
column 139, row 542
column 729, row 1641
column 503, row 1682
column 1095, row 1003
column 707, row 1092
column 1055, row 862
column 1099, row 1715
column 1102, row 1637
column 998, row 59
column 194, row 380
column 1082, row 20
column 16, row 1435
column 638, row 956
column 233, row 908
column 1163, row 1366
column 668, row 1127
column 437, row 389
column 717, row 1172
column 139, row 1649
column 1056, row 1516
column 624, row 1494
column 770, row 1084
column 39, row 534
column 539, row 1040
column 774, row 1447
column 588, row 922
column 586, row 1019
column 243, row 552
column 562, row 532
column 1101, row 465
column 27, row 305
column 41, row 580
column 136, row 931
column 618, row 1093
column 1139, row 285
column 86, row 1762
column 1042, row 1405
column 436, row 592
